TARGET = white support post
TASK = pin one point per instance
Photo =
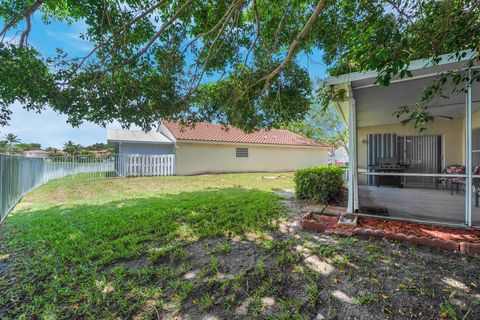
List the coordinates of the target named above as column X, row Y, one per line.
column 352, row 157
column 355, row 155
column 468, row 149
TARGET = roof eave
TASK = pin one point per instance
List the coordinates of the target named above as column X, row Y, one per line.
column 252, row 144
column 414, row 65
column 139, row 141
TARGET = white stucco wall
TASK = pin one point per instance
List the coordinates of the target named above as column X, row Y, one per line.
column 200, row 158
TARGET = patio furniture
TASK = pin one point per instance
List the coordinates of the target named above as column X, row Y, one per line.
column 389, row 165
column 452, row 169
column 476, row 184
column 457, row 182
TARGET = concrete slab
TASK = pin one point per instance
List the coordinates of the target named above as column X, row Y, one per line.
column 433, row 205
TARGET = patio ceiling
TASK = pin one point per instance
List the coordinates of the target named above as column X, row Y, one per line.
column 376, row 104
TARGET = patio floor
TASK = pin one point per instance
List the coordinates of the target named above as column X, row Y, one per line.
column 430, row 205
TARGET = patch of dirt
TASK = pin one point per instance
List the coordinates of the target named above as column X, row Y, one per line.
column 330, row 277
column 379, row 279
column 4, row 267
column 136, row 263
column 291, row 272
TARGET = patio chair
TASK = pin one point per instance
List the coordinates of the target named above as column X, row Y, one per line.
column 453, row 169
column 476, row 184
column 457, row 183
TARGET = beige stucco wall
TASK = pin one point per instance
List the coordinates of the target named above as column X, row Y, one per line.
column 451, row 131
column 199, row 158
column 453, row 136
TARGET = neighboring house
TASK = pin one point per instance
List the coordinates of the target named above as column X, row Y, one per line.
column 36, row 154
column 400, row 172
column 338, row 157
column 56, row 153
column 212, row 148
column 101, row 153
column 139, row 142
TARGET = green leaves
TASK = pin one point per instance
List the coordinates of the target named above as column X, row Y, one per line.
column 322, row 184
column 24, row 77
column 208, row 60
column 185, row 60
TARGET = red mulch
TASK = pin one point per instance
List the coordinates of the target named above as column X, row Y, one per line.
column 421, row 230
column 332, row 226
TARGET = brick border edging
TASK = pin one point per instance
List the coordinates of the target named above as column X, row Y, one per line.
column 309, row 223
column 450, row 245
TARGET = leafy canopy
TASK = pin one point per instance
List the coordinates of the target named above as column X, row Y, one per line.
column 322, row 124
column 228, row 61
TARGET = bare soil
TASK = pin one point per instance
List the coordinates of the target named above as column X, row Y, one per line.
column 353, row 278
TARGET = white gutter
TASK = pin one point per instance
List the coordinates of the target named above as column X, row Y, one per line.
column 140, row 141
column 414, row 65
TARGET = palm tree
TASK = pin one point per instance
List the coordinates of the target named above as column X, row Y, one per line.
column 71, row 148
column 11, row 139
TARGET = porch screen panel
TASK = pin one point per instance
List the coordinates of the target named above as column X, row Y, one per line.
column 421, row 154
column 475, row 147
column 383, row 145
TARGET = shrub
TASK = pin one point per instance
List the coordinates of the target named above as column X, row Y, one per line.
column 321, row 184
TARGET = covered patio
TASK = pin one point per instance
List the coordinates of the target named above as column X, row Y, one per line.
column 400, row 172
column 417, row 204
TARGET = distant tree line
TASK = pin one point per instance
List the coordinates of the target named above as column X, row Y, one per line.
column 11, row 144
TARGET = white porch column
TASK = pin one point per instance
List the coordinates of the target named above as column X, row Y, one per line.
column 468, row 151
column 352, row 156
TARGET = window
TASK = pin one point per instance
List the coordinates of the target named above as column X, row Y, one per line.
column 242, row 152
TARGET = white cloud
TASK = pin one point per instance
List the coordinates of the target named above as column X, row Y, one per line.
column 71, row 40
column 50, row 129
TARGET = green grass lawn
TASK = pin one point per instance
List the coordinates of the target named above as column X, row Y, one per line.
column 210, row 247
column 69, row 241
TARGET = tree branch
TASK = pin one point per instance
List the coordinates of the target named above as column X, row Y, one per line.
column 219, row 23
column 124, row 27
column 195, row 82
column 26, row 32
column 25, row 14
column 163, row 28
column 296, row 42
column 257, row 34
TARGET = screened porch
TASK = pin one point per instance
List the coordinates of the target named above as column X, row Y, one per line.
column 402, row 172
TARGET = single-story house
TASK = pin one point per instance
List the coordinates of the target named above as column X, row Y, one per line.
column 36, row 154
column 400, row 172
column 214, row 148
column 101, row 153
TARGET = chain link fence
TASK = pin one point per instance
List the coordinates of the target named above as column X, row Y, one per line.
column 19, row 174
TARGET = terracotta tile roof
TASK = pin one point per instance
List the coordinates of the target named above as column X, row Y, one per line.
column 218, row 133
column 35, row 151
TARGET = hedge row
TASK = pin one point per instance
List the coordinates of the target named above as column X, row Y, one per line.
column 322, row 184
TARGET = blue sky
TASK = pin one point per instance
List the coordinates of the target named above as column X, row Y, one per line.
column 51, row 129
